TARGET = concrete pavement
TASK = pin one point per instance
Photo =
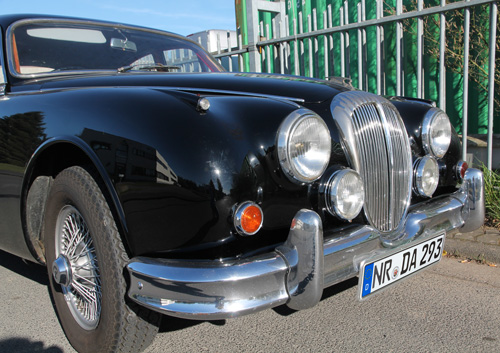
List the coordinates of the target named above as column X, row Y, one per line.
column 482, row 244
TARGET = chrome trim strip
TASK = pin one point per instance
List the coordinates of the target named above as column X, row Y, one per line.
column 236, row 93
column 296, row 272
column 3, row 76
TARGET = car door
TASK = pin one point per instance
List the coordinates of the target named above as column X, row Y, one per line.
column 11, row 175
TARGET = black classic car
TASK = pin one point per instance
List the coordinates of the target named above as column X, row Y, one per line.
column 151, row 182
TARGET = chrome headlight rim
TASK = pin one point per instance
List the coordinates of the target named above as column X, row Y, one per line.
column 286, row 132
column 332, row 189
column 419, row 171
column 428, row 126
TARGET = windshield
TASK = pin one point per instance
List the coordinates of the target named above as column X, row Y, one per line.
column 48, row 47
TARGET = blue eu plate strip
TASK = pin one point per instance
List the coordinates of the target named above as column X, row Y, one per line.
column 367, row 280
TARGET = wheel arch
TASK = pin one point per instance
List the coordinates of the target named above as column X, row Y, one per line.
column 50, row 158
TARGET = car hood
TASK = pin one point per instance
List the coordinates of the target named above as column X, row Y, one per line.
column 307, row 89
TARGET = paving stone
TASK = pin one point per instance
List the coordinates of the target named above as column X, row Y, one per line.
column 489, row 238
column 467, row 236
column 483, row 243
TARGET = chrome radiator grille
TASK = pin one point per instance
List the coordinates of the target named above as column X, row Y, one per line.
column 378, row 148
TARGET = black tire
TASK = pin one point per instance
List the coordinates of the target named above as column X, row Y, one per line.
column 91, row 300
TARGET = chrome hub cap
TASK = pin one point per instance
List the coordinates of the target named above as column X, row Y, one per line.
column 61, row 270
column 76, row 268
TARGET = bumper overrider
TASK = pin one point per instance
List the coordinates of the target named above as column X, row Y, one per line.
column 296, row 272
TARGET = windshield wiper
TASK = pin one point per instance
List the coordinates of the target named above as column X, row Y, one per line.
column 149, row 67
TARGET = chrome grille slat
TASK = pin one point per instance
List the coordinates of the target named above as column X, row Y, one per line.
column 377, row 146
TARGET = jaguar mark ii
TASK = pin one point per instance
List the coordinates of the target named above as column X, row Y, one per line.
column 150, row 182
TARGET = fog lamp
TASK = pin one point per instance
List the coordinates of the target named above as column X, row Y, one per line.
column 345, row 194
column 426, row 176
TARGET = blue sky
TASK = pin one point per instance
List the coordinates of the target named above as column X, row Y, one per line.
column 179, row 16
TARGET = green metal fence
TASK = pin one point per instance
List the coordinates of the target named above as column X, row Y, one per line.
column 440, row 50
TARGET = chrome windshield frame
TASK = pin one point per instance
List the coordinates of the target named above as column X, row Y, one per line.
column 3, row 76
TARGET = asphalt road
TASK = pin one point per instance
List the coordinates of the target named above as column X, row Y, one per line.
column 453, row 307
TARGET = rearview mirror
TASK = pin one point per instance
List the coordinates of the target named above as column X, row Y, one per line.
column 123, row 44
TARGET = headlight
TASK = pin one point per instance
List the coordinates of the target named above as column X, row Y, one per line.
column 345, row 194
column 436, row 132
column 304, row 146
column 426, row 176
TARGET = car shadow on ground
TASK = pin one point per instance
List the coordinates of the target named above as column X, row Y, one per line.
column 172, row 324
column 327, row 293
column 23, row 345
column 27, row 269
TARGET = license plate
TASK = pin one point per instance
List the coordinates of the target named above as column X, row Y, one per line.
column 382, row 272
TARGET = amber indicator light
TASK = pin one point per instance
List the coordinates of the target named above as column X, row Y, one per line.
column 248, row 218
column 251, row 219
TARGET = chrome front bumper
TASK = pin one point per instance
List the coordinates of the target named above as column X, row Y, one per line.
column 298, row 270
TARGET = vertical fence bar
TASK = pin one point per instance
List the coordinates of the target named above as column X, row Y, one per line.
column 465, row 112
column 442, row 67
column 491, row 80
column 302, row 49
column 219, row 48
column 342, row 44
column 330, row 47
column 325, row 45
column 347, row 41
column 296, row 51
column 288, row 47
column 254, row 58
column 365, row 55
column 268, row 50
column 283, row 56
column 229, row 49
column 360, row 50
column 316, row 44
column 309, row 40
column 261, row 50
column 274, row 48
column 420, row 45
column 399, row 39
column 241, row 61
column 379, row 48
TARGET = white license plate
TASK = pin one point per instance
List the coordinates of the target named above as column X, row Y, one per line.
column 379, row 273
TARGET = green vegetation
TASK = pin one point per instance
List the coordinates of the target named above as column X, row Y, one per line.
column 492, row 196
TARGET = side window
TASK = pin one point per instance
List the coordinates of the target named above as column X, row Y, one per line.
column 2, row 66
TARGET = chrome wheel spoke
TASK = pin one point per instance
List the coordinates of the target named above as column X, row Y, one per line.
column 74, row 241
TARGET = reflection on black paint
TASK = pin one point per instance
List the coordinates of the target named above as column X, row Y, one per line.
column 20, row 135
column 126, row 160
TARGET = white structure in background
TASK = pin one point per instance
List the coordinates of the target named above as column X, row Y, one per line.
column 218, row 41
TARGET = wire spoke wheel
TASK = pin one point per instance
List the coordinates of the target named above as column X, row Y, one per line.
column 86, row 259
column 82, row 289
